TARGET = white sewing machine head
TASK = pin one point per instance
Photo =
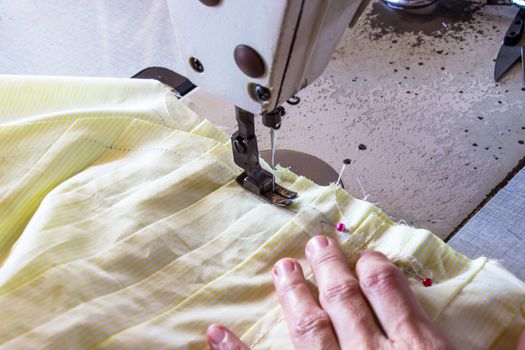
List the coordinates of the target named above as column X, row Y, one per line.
column 256, row 54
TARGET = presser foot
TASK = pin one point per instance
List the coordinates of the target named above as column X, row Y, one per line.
column 280, row 196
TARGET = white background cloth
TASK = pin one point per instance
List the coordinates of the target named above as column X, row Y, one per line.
column 90, row 38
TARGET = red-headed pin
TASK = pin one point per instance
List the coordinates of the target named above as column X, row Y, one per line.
column 427, row 282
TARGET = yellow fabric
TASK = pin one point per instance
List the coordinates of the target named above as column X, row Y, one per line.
column 121, row 226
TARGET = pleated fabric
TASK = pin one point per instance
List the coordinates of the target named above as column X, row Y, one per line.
column 122, row 227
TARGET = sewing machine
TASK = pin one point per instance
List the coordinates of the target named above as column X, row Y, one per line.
column 257, row 55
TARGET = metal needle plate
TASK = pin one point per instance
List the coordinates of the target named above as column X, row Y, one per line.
column 304, row 164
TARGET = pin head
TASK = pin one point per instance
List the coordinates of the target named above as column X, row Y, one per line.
column 427, row 282
column 340, row 227
column 347, row 161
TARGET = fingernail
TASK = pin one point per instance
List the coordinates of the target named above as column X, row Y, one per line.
column 366, row 252
column 216, row 335
column 284, row 267
column 317, row 243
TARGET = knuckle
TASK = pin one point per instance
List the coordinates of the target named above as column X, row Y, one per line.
column 290, row 288
column 328, row 258
column 312, row 324
column 343, row 291
column 380, row 280
column 418, row 338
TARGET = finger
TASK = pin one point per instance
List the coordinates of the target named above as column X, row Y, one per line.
column 391, row 298
column 341, row 297
column 309, row 325
column 221, row 338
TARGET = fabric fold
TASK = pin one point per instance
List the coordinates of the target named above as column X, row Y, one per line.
column 122, row 226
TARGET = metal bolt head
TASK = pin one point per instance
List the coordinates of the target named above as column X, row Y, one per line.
column 249, row 61
column 262, row 93
column 239, row 146
column 210, row 2
column 294, row 100
column 196, row 65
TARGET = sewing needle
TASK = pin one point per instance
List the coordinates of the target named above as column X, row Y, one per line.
column 272, row 140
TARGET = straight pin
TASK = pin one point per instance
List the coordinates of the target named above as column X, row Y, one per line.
column 345, row 163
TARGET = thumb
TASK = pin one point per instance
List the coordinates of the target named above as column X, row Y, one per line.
column 221, row 338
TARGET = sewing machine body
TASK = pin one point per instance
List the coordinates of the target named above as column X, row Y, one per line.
column 293, row 38
column 256, row 55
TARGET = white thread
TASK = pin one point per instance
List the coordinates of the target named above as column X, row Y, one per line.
column 403, row 223
column 365, row 196
column 416, row 269
column 306, row 206
column 326, row 220
column 338, row 182
column 326, row 223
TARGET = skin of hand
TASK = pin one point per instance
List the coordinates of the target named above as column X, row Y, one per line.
column 371, row 309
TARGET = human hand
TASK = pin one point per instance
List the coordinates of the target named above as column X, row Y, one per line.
column 373, row 309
